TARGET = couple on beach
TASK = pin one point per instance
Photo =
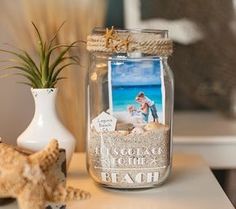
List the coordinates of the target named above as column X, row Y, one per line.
column 146, row 104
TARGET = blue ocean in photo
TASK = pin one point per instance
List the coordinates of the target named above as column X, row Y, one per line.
column 123, row 96
column 131, row 76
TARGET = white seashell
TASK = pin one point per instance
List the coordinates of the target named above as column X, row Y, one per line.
column 153, row 125
column 123, row 132
column 124, row 126
column 137, row 130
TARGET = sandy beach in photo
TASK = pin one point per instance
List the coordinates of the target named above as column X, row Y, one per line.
column 124, row 117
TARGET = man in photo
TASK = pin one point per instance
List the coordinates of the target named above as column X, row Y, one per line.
column 151, row 104
column 144, row 109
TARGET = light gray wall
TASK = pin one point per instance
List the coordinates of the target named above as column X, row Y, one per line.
column 16, row 102
column 16, row 108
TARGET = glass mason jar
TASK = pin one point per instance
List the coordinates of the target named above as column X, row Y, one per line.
column 129, row 143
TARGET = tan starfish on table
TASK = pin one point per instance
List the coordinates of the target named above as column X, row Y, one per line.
column 28, row 178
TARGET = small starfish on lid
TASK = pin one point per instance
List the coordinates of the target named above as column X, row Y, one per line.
column 28, row 178
column 125, row 43
column 114, row 42
column 110, row 35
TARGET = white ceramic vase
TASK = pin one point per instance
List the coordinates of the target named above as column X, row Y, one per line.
column 46, row 125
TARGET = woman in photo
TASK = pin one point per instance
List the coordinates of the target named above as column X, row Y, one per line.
column 151, row 104
column 144, row 109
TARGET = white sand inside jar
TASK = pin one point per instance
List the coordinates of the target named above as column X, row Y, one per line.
column 128, row 160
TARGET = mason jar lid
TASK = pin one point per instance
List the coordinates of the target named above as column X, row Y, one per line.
column 151, row 42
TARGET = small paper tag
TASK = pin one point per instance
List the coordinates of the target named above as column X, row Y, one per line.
column 104, row 122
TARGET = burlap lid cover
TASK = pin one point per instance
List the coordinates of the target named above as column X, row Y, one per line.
column 151, row 42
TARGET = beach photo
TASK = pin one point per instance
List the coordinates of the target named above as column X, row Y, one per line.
column 135, row 91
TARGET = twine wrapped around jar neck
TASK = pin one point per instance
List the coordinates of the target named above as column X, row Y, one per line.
column 118, row 41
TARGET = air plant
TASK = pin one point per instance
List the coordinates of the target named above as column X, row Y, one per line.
column 46, row 72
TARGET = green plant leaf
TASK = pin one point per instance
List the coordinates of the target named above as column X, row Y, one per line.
column 44, row 74
column 20, row 56
column 27, row 59
column 55, row 73
column 6, row 75
column 55, row 35
column 58, row 79
column 29, row 78
column 40, row 38
column 51, row 70
column 58, row 59
column 58, row 71
column 46, row 71
column 10, row 60
column 33, row 64
column 27, row 71
column 26, row 83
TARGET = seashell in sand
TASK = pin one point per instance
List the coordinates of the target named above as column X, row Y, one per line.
column 123, row 133
column 154, row 125
column 137, row 130
column 124, row 126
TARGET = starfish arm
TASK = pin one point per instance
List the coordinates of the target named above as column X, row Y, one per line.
column 62, row 194
column 5, row 189
column 32, row 197
column 47, row 156
column 11, row 184
column 10, row 157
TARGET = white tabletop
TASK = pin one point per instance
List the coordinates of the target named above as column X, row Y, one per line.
column 191, row 186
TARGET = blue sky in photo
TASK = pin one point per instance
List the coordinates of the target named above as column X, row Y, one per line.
column 135, row 72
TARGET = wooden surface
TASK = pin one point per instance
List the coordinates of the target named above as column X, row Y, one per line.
column 208, row 134
column 191, row 186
